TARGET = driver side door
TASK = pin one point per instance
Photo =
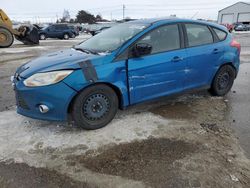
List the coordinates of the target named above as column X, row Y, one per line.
column 163, row 70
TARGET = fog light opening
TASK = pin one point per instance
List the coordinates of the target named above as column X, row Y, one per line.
column 43, row 108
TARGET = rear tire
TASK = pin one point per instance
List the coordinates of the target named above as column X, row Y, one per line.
column 6, row 38
column 94, row 107
column 223, row 80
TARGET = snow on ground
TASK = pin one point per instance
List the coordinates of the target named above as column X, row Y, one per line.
column 20, row 134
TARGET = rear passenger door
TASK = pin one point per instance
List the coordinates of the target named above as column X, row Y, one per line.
column 204, row 54
column 59, row 31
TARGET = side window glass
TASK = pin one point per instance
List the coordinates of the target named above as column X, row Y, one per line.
column 52, row 28
column 59, row 27
column 163, row 39
column 198, row 35
column 221, row 34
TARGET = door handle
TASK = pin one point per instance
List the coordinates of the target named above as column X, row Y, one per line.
column 177, row 59
column 215, row 51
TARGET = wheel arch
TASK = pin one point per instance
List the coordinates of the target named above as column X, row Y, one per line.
column 219, row 67
column 115, row 88
column 230, row 64
column 64, row 33
column 213, row 89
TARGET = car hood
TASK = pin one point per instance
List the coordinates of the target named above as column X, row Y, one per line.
column 61, row 60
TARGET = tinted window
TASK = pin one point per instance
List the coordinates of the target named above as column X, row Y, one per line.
column 52, row 28
column 198, row 35
column 163, row 39
column 221, row 34
column 61, row 27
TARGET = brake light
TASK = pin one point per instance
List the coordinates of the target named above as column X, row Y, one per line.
column 235, row 44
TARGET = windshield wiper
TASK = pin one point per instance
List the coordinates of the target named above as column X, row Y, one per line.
column 86, row 50
column 82, row 50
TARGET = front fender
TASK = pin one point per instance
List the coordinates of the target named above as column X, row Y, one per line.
column 112, row 74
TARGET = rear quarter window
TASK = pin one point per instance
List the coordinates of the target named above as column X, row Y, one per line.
column 221, row 34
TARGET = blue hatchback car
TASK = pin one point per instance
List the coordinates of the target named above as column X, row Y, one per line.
column 127, row 64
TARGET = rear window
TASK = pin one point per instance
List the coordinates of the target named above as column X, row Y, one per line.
column 221, row 34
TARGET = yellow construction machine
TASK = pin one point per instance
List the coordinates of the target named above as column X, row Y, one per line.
column 28, row 34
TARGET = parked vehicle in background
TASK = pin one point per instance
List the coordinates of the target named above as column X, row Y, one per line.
column 242, row 27
column 75, row 30
column 93, row 29
column 127, row 64
column 230, row 27
column 61, row 31
column 27, row 34
column 93, row 33
column 38, row 26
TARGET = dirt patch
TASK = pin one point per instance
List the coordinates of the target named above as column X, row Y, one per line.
column 150, row 161
column 178, row 110
column 211, row 127
column 203, row 109
column 23, row 176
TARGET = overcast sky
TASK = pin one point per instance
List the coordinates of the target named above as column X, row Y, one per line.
column 49, row 10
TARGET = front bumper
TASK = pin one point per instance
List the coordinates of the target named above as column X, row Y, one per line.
column 57, row 97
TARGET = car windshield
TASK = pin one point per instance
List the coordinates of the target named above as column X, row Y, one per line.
column 113, row 38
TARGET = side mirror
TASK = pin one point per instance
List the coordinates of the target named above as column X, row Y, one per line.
column 141, row 49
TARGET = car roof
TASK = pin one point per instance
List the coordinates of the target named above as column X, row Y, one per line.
column 152, row 20
column 166, row 20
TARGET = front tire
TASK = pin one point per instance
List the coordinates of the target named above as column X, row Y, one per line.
column 94, row 107
column 223, row 81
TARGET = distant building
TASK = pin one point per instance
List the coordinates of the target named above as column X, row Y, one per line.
column 238, row 12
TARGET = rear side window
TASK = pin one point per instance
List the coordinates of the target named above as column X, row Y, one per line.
column 198, row 35
column 162, row 39
column 61, row 27
column 221, row 34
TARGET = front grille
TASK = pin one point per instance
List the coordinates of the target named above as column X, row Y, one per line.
column 20, row 102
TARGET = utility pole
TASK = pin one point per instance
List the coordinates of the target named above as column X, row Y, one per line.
column 123, row 11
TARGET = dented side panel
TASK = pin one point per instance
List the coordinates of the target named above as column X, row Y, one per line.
column 156, row 75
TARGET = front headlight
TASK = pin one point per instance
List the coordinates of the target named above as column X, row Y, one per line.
column 46, row 78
